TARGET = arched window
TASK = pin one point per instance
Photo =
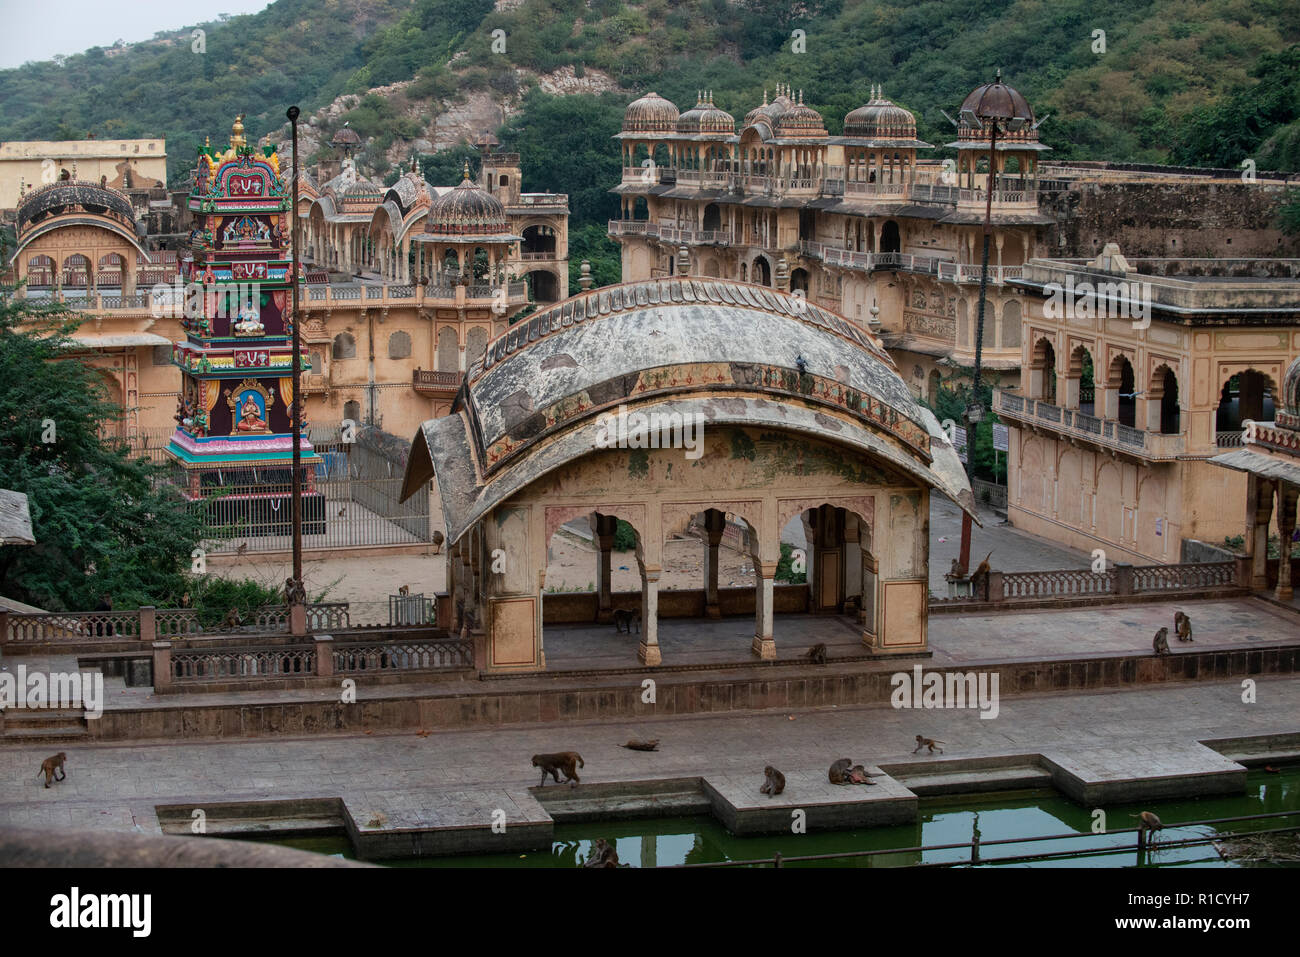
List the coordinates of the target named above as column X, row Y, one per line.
column 890, row 239
column 448, row 350
column 317, row 364
column 1009, row 334
column 475, row 344
column 1165, row 388
column 399, row 345
column 352, row 410
column 345, row 347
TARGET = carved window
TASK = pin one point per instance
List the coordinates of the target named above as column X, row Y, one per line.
column 345, row 347
column 399, row 345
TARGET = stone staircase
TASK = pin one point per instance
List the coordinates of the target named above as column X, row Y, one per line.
column 43, row 726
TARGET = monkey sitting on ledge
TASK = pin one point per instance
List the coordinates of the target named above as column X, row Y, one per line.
column 817, row 653
column 1160, row 644
column 774, row 782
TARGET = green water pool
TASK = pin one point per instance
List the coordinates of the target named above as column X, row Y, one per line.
column 1018, row 814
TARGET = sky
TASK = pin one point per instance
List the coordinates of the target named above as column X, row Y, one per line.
column 36, row 30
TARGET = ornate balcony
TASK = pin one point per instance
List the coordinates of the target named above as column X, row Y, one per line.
column 1070, row 423
column 436, row 385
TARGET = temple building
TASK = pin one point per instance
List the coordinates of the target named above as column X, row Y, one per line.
column 671, row 401
column 119, row 164
column 868, row 225
column 1138, row 372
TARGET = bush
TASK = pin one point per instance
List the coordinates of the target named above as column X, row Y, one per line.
column 785, row 567
column 624, row 537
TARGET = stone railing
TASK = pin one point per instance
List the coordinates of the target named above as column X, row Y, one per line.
column 427, row 380
column 148, row 623
column 427, row 655
column 1102, row 432
column 989, row 493
column 1120, row 580
column 967, row 272
column 190, row 666
column 1228, row 440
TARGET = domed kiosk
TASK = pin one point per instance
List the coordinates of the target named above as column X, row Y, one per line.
column 655, row 401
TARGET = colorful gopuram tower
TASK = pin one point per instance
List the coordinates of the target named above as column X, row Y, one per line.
column 234, row 435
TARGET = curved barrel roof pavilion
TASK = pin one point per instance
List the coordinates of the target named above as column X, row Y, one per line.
column 798, row 410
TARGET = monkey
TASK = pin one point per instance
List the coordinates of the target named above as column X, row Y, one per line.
column 774, row 782
column 636, row 744
column 404, row 591
column 839, row 772
column 860, row 775
column 980, row 579
column 232, row 619
column 243, row 547
column 1182, row 626
column 185, row 600
column 922, row 742
column 603, row 854
column 1148, row 821
column 1161, row 642
column 817, row 653
column 553, row 764
column 623, row 620
column 52, row 768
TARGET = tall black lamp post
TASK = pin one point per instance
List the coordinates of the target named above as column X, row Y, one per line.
column 298, row 596
column 997, row 108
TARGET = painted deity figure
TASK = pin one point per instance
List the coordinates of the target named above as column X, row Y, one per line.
column 250, row 417
column 248, row 322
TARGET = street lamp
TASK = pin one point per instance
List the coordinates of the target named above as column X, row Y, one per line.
column 997, row 108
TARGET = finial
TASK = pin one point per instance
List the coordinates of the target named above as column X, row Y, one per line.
column 466, row 169
column 765, row 96
column 998, row 78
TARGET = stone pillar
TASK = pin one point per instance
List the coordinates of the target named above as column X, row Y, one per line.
column 648, row 649
column 1259, row 544
column 764, row 645
column 852, row 589
column 1123, row 578
column 715, row 523
column 606, row 526
column 298, row 620
column 148, row 623
column 324, row 655
column 4, row 629
column 1286, row 505
column 162, row 667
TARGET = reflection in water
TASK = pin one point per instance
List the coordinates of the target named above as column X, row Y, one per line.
column 976, row 818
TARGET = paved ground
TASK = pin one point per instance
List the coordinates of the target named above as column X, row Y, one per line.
column 407, row 776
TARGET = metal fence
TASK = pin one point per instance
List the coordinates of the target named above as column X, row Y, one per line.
column 353, row 501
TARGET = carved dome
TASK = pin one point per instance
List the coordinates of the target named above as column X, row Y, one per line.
column 880, row 119
column 70, row 195
column 650, row 114
column 705, row 118
column 468, row 210
column 800, row 120
column 346, row 136
column 996, row 100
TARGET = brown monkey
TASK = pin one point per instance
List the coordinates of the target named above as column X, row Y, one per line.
column 232, row 619
column 52, row 768
column 817, row 653
column 404, row 591
column 1161, row 642
column 923, row 742
column 839, row 772
column 1182, row 626
column 603, row 854
column 553, row 764
column 860, row 775
column 623, row 620
column 980, row 578
column 774, row 782
column 636, row 744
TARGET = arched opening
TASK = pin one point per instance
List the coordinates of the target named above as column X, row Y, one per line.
column 110, row 271
column 712, row 217
column 40, row 272
column 543, row 287
column 890, row 239
column 1009, row 331
column 640, row 209
column 1164, row 387
column 399, row 345
column 799, row 281
column 1121, row 381
column 448, row 350
column 352, row 411
column 935, row 383
column 345, row 347
column 762, row 272
column 475, row 344
column 1081, row 375
column 1043, row 372
column 76, row 272
column 539, row 243
column 1245, row 396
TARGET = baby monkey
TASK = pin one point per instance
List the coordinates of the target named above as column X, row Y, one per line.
column 924, row 742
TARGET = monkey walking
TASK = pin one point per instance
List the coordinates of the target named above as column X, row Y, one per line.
column 773, row 783
column 1161, row 642
column 924, row 742
column 1182, row 626
column 52, row 768
column 553, row 764
column 623, row 620
column 404, row 591
column 817, row 653
column 636, row 744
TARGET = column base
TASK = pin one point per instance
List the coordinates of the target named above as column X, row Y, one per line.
column 605, row 615
column 1283, row 594
column 712, row 611
column 869, row 640
column 649, row 654
column 764, row 648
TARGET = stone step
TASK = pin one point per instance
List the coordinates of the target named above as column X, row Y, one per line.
column 38, row 735
column 970, row 775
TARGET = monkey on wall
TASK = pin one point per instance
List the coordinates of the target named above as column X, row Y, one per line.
column 773, row 783
column 1160, row 643
column 931, row 743
column 817, row 653
column 1182, row 626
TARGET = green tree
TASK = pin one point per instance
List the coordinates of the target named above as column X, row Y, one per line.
column 103, row 522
